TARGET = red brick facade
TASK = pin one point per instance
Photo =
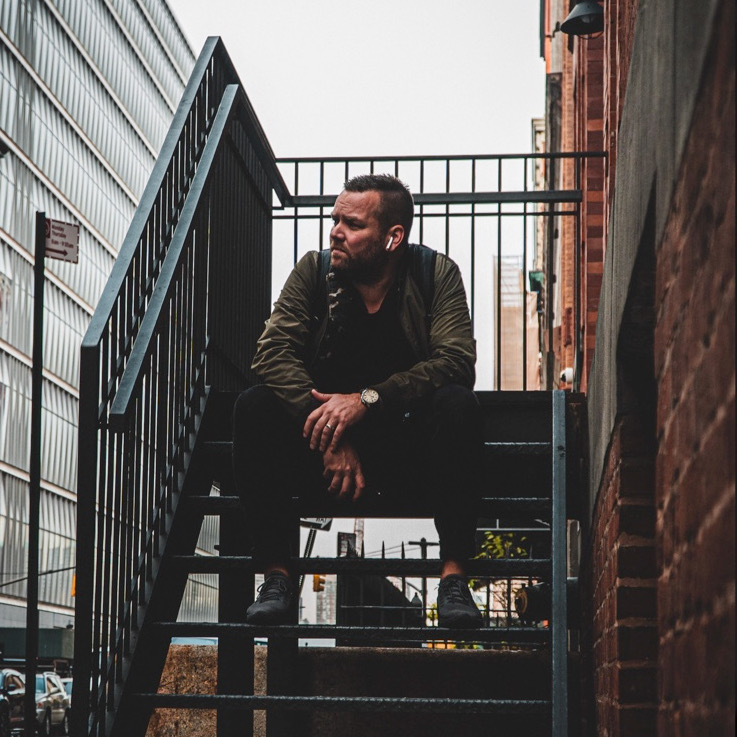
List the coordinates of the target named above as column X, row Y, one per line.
column 589, row 120
column 658, row 564
column 620, row 578
column 695, row 371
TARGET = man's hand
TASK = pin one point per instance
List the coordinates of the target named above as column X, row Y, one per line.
column 325, row 425
column 342, row 468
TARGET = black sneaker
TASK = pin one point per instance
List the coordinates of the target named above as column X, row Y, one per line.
column 274, row 604
column 456, row 607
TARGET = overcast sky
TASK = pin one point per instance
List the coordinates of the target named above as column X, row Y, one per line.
column 386, row 77
column 342, row 77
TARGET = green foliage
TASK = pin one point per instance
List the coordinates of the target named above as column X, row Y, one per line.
column 504, row 545
column 501, row 545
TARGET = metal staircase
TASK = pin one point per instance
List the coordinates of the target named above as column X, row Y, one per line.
column 162, row 362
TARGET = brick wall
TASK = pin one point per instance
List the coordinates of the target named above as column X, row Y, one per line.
column 567, row 226
column 601, row 67
column 620, row 571
column 694, row 363
column 619, row 22
column 589, row 65
column 660, row 569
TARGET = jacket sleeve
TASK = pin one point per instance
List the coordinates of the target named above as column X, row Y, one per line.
column 280, row 352
column 451, row 347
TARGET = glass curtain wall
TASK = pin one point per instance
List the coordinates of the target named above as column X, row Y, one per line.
column 88, row 89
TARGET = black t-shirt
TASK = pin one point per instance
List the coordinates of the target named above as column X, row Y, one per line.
column 372, row 348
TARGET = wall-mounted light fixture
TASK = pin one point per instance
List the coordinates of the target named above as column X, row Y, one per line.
column 585, row 19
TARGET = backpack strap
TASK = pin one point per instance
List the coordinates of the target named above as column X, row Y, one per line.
column 319, row 304
column 421, row 267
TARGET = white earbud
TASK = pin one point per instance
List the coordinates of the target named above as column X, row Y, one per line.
column 389, row 243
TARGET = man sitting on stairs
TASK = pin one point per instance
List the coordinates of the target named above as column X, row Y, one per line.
column 367, row 364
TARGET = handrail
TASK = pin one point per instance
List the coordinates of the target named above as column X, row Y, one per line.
column 141, row 350
column 147, row 204
column 121, row 267
column 497, row 215
column 443, row 157
column 158, row 336
column 461, row 198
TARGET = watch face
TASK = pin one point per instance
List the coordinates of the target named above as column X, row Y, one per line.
column 369, row 396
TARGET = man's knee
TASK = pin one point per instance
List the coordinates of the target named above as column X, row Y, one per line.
column 254, row 407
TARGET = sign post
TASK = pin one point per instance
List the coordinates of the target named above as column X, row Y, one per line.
column 61, row 241
column 34, row 499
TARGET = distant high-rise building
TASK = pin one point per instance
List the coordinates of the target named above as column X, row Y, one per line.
column 325, row 611
column 88, row 89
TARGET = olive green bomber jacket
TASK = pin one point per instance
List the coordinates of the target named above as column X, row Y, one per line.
column 290, row 339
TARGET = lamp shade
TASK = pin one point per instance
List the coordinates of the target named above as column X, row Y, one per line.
column 586, row 18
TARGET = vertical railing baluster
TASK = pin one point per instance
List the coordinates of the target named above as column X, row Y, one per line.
column 472, row 295
column 447, row 208
column 422, row 207
column 498, row 337
column 524, row 283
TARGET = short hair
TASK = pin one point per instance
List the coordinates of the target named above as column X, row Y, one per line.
column 396, row 205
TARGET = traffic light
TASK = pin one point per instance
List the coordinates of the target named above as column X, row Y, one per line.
column 318, row 582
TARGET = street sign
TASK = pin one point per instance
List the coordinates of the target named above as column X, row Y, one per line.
column 317, row 523
column 62, row 240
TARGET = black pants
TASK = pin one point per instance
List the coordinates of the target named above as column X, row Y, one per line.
column 433, row 454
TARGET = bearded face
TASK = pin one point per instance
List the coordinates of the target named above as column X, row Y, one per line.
column 357, row 248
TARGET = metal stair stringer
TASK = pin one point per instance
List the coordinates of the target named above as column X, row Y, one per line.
column 144, row 663
column 235, row 700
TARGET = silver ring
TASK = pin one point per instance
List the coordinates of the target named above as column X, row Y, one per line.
column 332, row 429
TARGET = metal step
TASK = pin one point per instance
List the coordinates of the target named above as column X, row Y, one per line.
column 516, row 449
column 490, row 506
column 497, row 568
column 486, row 635
column 342, row 703
column 222, row 449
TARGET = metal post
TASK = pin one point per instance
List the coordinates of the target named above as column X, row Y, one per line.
column 550, row 290
column 578, row 349
column 559, row 620
column 34, row 496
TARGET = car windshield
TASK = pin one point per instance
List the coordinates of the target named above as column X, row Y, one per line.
column 40, row 685
column 68, row 687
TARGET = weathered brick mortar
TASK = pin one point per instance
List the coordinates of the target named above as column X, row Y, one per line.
column 694, row 362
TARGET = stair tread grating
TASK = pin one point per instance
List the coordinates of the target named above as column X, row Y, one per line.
column 524, row 447
column 521, row 634
column 519, row 505
column 502, row 567
column 344, row 703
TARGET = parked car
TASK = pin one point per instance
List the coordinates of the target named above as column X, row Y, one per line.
column 12, row 693
column 52, row 704
column 67, row 683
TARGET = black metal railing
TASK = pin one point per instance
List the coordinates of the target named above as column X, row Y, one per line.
column 168, row 327
column 497, row 216
column 162, row 332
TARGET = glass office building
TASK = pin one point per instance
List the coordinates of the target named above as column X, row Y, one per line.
column 88, row 89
